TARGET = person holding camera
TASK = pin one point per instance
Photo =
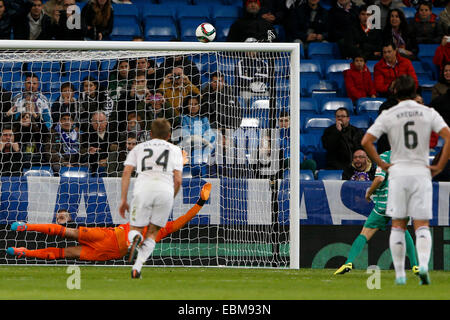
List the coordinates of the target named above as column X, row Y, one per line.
column 177, row 86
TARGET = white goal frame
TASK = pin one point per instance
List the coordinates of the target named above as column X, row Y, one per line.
column 294, row 100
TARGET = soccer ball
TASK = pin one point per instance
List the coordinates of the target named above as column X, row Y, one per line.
column 205, row 32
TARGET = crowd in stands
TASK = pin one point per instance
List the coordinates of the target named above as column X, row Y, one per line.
column 95, row 124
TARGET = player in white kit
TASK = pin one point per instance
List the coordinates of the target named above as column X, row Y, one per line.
column 408, row 126
column 159, row 165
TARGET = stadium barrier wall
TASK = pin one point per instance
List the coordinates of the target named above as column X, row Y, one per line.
column 331, row 212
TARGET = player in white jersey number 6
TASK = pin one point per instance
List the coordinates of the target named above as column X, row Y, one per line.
column 159, row 165
column 408, row 126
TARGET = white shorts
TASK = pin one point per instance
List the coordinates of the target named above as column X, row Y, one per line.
column 410, row 196
column 150, row 205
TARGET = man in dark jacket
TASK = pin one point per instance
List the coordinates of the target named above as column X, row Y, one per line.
column 251, row 25
column 361, row 168
column 307, row 22
column 12, row 11
column 35, row 25
column 341, row 140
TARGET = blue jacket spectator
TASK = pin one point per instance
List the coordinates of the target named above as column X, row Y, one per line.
column 196, row 131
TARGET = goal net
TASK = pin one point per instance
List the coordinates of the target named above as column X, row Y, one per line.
column 72, row 111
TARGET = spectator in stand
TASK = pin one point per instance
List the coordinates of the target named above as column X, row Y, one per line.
column 177, row 86
column 425, row 26
column 66, row 103
column 385, row 7
column 99, row 142
column 35, row 26
column 135, row 126
column 361, row 168
column 97, row 19
column 67, row 28
column 92, row 99
column 33, row 139
column 183, row 61
column 365, row 38
column 10, row 155
column 32, row 101
column 442, row 54
column 398, row 31
column 120, row 80
column 443, row 85
column 340, row 140
column 150, row 69
column 5, row 103
column 389, row 68
column 154, row 106
column 66, row 145
column 12, row 12
column 196, row 132
column 219, row 104
column 271, row 10
column 115, row 169
column 342, row 19
column 251, row 25
column 444, row 18
column 358, row 80
column 307, row 23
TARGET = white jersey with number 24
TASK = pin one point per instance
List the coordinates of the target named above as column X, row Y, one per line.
column 408, row 126
column 156, row 159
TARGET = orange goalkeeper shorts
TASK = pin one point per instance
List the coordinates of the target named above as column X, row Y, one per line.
column 101, row 244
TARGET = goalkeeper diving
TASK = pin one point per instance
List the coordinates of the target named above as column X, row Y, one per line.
column 96, row 243
column 377, row 220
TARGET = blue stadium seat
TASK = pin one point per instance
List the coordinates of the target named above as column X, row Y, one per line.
column 219, row 12
column 427, row 86
column 306, row 79
column 309, row 105
column 126, row 10
column 175, row 2
column 306, row 175
column 332, row 66
column 125, row 28
column 156, row 10
column 310, row 67
column 160, row 29
column 317, row 123
column 74, row 172
column 323, row 50
column 437, row 10
column 361, row 121
column 189, row 11
column 39, row 66
column 330, row 105
column 188, row 27
column 425, row 55
column 329, row 174
column 371, row 65
column 323, row 88
column 223, row 28
column 421, row 71
column 310, row 142
column 7, row 66
column 369, row 106
column 76, row 65
column 40, row 171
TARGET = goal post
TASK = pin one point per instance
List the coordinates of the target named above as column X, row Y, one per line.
column 242, row 235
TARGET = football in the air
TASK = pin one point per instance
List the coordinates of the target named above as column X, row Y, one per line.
column 205, row 32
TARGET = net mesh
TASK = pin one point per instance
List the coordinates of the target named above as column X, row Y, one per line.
column 69, row 118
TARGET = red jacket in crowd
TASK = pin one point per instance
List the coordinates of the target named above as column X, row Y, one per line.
column 442, row 55
column 385, row 74
column 359, row 84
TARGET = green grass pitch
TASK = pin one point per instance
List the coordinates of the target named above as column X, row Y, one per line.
column 177, row 283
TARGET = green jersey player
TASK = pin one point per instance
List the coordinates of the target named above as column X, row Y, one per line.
column 377, row 220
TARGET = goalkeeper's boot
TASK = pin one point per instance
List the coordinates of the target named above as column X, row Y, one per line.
column 400, row 281
column 415, row 270
column 19, row 226
column 132, row 253
column 424, row 276
column 19, row 252
column 344, row 268
column 135, row 274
